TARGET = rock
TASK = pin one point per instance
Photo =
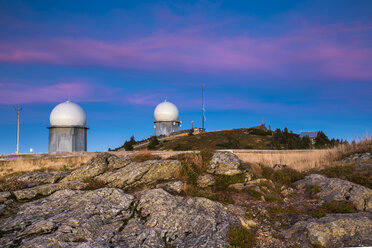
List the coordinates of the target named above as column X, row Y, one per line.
column 279, row 166
column 174, row 187
column 261, row 181
column 237, row 186
column 109, row 217
column 4, row 196
column 136, row 174
column 205, row 181
column 335, row 189
column 358, row 157
column 46, row 189
column 37, row 178
column 336, row 230
column 224, row 163
column 97, row 166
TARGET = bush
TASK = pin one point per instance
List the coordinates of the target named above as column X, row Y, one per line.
column 241, row 237
column 285, row 176
column 254, row 193
column 260, row 132
column 182, row 147
column 334, row 207
column 153, row 143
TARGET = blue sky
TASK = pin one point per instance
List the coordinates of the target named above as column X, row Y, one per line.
column 306, row 65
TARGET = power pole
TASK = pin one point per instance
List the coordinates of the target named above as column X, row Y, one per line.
column 18, row 109
column 203, row 109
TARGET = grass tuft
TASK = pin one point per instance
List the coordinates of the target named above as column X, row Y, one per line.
column 241, row 237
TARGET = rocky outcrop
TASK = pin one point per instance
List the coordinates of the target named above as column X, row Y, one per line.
column 121, row 172
column 108, row 217
column 97, row 166
column 358, row 157
column 46, row 189
column 37, row 178
column 174, row 187
column 336, row 230
column 205, row 181
column 335, row 189
column 224, row 163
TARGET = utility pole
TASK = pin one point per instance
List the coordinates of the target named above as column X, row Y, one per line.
column 203, row 109
column 18, row 109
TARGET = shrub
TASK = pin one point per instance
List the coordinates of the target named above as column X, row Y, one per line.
column 260, row 132
column 241, row 237
column 285, row 176
column 214, row 196
column 334, row 207
column 153, row 143
column 223, row 181
column 182, row 147
column 206, row 155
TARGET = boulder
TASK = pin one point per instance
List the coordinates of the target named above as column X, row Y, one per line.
column 4, row 196
column 108, row 217
column 37, row 178
column 336, row 230
column 46, row 189
column 97, row 166
column 140, row 173
column 174, row 187
column 224, row 163
column 335, row 189
column 205, row 181
column 358, row 157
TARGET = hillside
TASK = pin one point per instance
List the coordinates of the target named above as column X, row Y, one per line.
column 244, row 138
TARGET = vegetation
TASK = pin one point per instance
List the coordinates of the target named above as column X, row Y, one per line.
column 334, row 207
column 11, row 184
column 94, row 183
column 142, row 156
column 241, row 237
column 223, row 181
column 285, row 176
column 153, row 143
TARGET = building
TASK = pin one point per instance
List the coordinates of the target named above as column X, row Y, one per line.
column 67, row 130
column 310, row 135
column 166, row 119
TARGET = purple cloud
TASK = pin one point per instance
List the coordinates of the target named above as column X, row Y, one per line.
column 192, row 51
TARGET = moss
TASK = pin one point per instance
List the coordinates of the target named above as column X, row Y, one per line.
column 254, row 193
column 241, row 237
column 315, row 189
column 223, row 181
column 334, row 207
column 93, row 183
column 285, row 176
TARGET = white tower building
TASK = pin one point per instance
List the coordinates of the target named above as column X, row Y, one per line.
column 166, row 119
column 67, row 130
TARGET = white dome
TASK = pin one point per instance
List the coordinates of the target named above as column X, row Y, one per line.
column 166, row 111
column 68, row 114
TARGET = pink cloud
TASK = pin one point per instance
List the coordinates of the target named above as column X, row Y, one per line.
column 195, row 52
column 76, row 91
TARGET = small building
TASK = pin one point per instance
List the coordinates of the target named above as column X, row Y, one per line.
column 166, row 119
column 67, row 130
column 310, row 135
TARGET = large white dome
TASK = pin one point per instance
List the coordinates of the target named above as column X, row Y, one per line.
column 166, row 111
column 68, row 114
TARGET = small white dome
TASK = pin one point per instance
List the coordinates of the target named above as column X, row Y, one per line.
column 68, row 114
column 166, row 111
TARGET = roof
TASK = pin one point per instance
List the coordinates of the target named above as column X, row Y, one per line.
column 311, row 135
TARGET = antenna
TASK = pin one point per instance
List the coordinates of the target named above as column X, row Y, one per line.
column 203, row 109
column 18, row 108
column 192, row 124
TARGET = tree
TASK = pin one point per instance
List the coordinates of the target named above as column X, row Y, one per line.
column 153, row 143
column 321, row 140
column 128, row 145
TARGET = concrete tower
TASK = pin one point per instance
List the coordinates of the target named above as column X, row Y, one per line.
column 67, row 130
column 166, row 119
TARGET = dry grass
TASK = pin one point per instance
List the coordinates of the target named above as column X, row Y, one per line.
column 142, row 156
column 14, row 165
column 303, row 160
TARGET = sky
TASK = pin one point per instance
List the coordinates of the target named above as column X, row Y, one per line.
column 301, row 64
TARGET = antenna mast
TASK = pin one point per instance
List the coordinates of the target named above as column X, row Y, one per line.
column 203, row 109
column 18, row 108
